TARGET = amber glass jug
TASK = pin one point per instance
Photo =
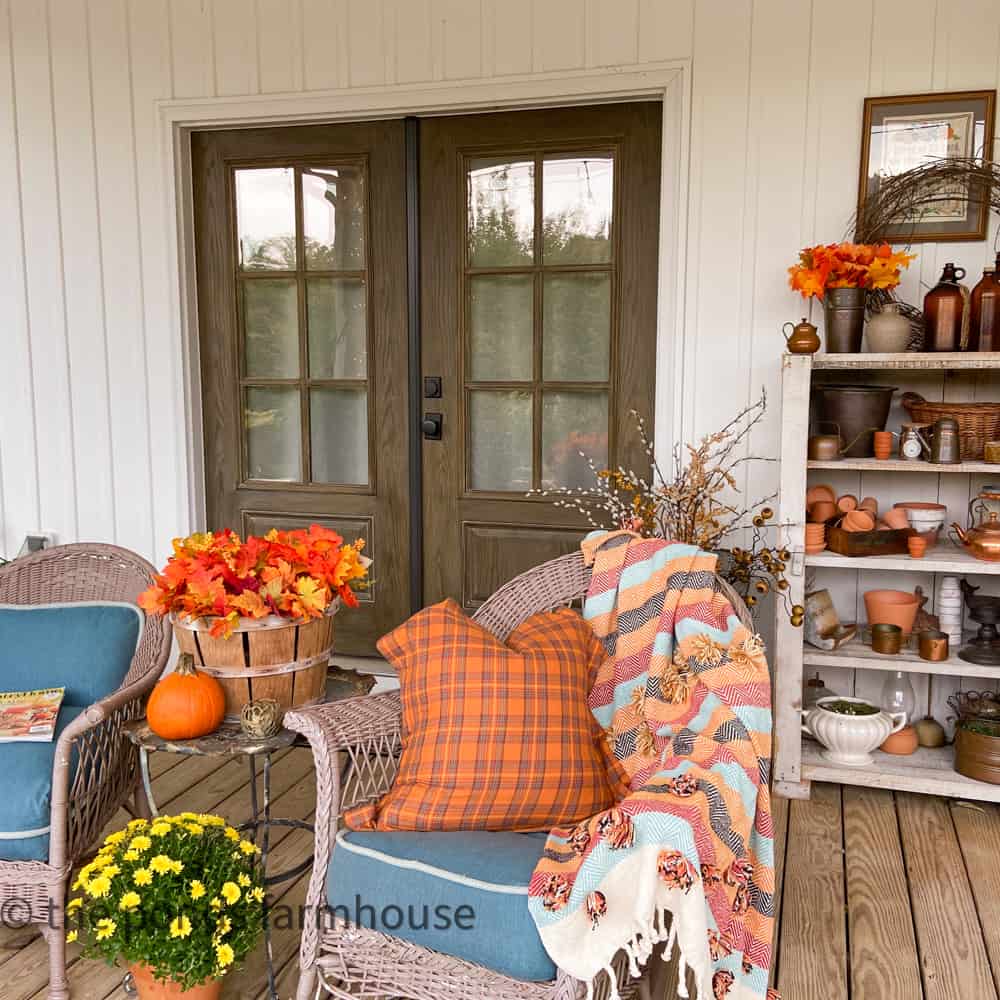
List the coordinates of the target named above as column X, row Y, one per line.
column 944, row 311
column 984, row 312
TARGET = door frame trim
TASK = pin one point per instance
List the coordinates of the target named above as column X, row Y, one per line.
column 668, row 81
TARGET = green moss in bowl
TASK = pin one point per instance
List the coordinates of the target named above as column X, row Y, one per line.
column 981, row 727
column 844, row 707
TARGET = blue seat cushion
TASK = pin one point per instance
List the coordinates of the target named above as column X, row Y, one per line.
column 26, row 798
column 464, row 894
column 85, row 647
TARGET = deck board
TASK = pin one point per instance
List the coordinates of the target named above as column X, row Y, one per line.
column 845, row 918
column 883, row 948
column 949, row 936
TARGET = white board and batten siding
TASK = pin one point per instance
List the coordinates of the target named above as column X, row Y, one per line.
column 94, row 442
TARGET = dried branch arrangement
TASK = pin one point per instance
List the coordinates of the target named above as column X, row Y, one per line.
column 902, row 200
column 698, row 503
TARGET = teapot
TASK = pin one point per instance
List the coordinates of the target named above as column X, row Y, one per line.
column 982, row 541
column 850, row 728
column 803, row 339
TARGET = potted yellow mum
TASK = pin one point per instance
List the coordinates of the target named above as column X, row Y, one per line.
column 178, row 899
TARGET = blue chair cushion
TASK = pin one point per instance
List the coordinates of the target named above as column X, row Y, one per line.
column 24, row 805
column 86, row 648
column 464, row 894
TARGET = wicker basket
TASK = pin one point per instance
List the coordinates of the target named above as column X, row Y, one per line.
column 977, row 422
column 272, row 658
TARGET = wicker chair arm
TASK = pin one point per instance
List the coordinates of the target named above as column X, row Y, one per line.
column 352, row 724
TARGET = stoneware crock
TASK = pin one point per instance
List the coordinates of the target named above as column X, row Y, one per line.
column 850, row 739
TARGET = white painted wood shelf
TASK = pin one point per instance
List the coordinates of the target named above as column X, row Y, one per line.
column 899, row 465
column 930, row 771
column 943, row 558
column 856, row 655
column 797, row 760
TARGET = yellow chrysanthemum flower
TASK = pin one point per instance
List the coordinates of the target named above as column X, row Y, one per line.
column 257, row 894
column 215, row 903
column 129, row 901
column 114, row 838
column 207, row 819
column 136, row 824
column 74, row 904
column 140, row 843
column 225, row 955
column 161, row 864
column 71, row 937
column 99, row 887
column 197, row 889
column 244, row 880
column 160, row 828
column 180, row 927
column 194, row 828
column 232, row 834
column 177, row 867
column 188, row 817
column 105, row 928
column 110, row 871
column 231, row 892
column 131, row 856
column 224, row 926
column 142, row 876
column 249, row 848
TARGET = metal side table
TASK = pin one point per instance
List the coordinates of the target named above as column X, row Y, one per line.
column 229, row 740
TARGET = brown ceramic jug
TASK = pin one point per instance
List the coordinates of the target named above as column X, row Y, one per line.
column 944, row 311
column 984, row 312
column 803, row 339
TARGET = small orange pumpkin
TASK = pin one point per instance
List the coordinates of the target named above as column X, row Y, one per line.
column 186, row 704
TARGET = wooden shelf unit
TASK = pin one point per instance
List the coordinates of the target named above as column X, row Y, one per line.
column 797, row 759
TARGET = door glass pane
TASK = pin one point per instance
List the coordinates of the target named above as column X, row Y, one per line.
column 500, row 440
column 576, row 327
column 270, row 329
column 501, row 212
column 573, row 422
column 576, row 209
column 265, row 218
column 500, row 327
column 333, row 215
column 272, row 419
column 339, row 436
column 338, row 332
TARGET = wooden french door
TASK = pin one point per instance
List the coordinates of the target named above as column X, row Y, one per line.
column 536, row 236
column 539, row 248
column 301, row 264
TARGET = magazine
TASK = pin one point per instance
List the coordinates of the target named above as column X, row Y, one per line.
column 29, row 715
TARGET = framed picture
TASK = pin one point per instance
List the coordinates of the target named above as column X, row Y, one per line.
column 900, row 133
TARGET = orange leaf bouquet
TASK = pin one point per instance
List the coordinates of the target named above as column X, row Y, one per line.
column 847, row 265
column 291, row 574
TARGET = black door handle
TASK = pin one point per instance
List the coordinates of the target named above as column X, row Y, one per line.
column 431, row 426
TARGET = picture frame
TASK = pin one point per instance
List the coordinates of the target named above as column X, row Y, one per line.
column 903, row 132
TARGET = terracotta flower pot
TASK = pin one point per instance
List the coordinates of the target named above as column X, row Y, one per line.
column 892, row 607
column 150, row 988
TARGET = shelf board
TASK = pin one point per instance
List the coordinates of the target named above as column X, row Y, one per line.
column 929, row 771
column 944, row 558
column 855, row 655
column 899, row 465
column 911, row 361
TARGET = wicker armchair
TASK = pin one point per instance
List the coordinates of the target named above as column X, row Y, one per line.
column 367, row 730
column 107, row 773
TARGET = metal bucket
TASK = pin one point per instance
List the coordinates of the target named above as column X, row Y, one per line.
column 860, row 410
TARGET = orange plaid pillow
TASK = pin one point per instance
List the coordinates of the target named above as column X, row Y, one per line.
column 495, row 736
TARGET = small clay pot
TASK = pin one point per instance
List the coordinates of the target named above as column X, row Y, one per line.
column 916, row 546
column 847, row 502
column 896, row 518
column 883, row 445
column 902, row 744
column 869, row 504
column 820, row 492
column 822, row 510
column 858, row 520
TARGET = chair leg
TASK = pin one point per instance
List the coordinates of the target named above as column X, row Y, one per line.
column 140, row 803
column 56, row 938
column 307, row 984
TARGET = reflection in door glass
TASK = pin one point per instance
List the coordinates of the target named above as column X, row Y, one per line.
column 576, row 209
column 500, row 327
column 270, row 328
column 573, row 422
column 339, row 436
column 265, row 218
column 272, row 421
column 500, row 435
column 338, row 331
column 501, row 212
column 333, row 206
column 576, row 326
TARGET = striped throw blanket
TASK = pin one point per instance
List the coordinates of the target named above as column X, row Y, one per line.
column 686, row 857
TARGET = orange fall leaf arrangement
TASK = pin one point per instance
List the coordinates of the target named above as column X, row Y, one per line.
column 847, row 265
column 291, row 574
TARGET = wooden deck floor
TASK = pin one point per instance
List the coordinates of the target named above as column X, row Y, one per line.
column 882, row 896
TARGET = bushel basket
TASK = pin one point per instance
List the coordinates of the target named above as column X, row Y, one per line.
column 280, row 658
column 977, row 422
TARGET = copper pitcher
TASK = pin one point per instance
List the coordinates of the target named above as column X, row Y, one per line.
column 803, row 339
